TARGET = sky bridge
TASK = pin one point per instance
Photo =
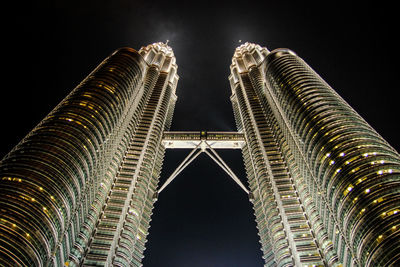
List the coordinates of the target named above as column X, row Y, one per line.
column 203, row 139
column 203, row 142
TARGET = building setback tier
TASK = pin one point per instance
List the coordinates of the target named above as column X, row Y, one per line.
column 80, row 188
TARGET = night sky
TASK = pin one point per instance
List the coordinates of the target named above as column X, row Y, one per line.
column 202, row 218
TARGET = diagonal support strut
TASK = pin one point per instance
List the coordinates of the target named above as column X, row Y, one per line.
column 226, row 168
column 181, row 167
column 203, row 146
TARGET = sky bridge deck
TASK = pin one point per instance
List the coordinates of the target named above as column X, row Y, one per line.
column 192, row 139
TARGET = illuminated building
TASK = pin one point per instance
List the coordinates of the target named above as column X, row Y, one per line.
column 325, row 184
column 79, row 189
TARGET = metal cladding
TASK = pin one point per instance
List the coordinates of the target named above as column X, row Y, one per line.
column 326, row 185
column 75, row 190
column 79, row 189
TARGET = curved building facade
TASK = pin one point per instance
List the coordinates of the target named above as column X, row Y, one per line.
column 78, row 189
column 326, row 185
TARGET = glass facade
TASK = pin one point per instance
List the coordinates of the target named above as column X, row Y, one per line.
column 78, row 189
column 326, row 185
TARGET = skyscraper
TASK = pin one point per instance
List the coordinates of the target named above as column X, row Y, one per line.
column 325, row 184
column 79, row 189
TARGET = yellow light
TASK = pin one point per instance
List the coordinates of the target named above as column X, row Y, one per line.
column 14, row 225
column 28, row 235
column 360, row 180
column 41, row 188
column 348, row 189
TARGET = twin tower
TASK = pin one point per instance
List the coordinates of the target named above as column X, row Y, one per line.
column 79, row 189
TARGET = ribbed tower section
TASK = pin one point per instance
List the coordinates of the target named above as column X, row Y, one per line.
column 325, row 184
column 77, row 190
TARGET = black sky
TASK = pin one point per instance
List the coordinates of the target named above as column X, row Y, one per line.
column 202, row 218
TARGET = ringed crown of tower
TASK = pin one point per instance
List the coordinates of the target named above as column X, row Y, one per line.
column 161, row 56
column 79, row 190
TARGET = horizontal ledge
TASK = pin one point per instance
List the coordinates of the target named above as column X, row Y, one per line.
column 192, row 139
